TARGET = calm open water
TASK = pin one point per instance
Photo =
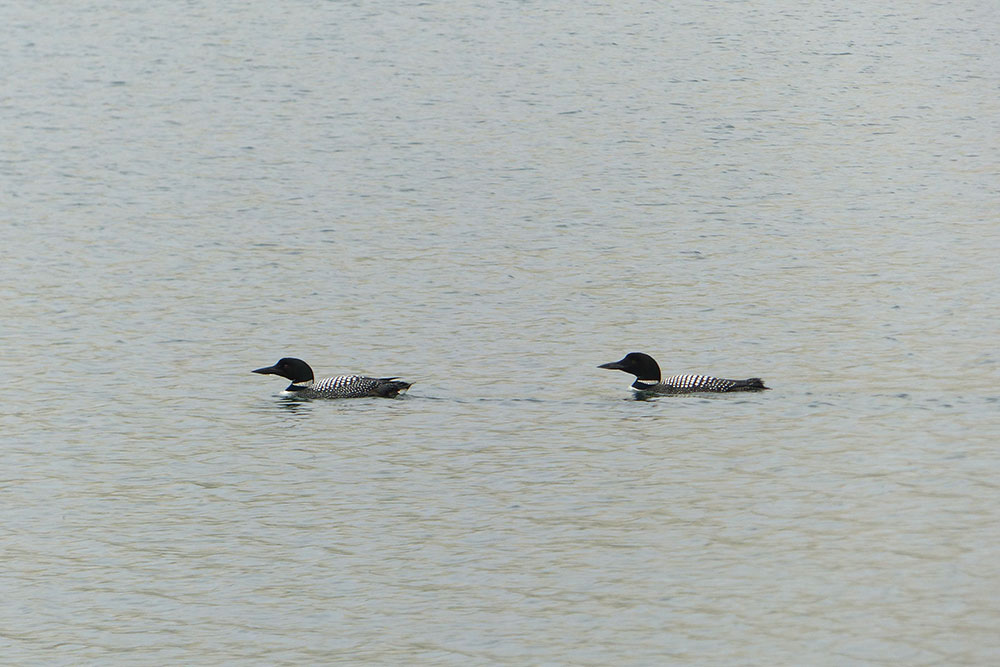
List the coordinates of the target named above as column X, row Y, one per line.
column 491, row 199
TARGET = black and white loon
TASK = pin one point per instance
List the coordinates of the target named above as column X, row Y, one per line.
column 647, row 378
column 340, row 386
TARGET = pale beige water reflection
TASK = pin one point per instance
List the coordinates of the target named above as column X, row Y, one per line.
column 492, row 200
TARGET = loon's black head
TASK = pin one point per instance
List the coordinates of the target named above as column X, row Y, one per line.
column 642, row 366
column 295, row 370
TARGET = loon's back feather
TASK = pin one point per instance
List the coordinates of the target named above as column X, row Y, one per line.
column 690, row 384
column 356, row 386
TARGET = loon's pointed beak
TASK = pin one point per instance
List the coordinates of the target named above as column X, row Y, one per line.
column 270, row 370
column 614, row 365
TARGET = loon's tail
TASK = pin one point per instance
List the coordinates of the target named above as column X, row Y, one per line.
column 751, row 384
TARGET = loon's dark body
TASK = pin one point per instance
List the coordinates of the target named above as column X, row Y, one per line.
column 341, row 386
column 647, row 378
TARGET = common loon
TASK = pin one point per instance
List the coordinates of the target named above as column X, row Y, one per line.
column 340, row 386
column 647, row 378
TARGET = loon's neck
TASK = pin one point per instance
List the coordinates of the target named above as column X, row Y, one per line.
column 299, row 386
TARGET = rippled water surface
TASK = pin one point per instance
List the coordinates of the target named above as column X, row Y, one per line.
column 491, row 200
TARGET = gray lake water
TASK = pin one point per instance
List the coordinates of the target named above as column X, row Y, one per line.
column 491, row 199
